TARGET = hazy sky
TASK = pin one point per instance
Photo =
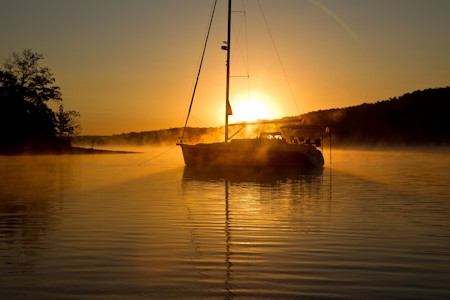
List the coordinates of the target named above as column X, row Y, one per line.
column 130, row 65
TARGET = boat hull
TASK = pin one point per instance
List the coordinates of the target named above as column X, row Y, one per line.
column 252, row 153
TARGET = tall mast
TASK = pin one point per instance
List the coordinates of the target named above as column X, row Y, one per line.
column 227, row 100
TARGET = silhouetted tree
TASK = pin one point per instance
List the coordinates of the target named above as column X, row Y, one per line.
column 26, row 122
column 67, row 124
column 36, row 81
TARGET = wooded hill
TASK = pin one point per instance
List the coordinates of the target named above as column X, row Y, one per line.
column 417, row 118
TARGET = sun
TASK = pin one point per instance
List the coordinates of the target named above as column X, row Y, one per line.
column 253, row 107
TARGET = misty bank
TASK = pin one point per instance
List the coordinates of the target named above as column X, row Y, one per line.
column 420, row 118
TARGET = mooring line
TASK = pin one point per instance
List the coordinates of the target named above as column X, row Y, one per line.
column 157, row 155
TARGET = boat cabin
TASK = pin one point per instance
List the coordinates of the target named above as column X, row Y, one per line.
column 271, row 135
column 303, row 134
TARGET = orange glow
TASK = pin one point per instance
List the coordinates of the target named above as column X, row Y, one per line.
column 252, row 107
column 323, row 56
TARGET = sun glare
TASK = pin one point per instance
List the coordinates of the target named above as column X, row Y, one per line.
column 253, row 107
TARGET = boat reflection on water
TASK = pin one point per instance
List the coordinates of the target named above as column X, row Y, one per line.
column 246, row 216
column 263, row 175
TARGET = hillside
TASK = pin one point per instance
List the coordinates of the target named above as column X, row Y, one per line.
column 417, row 118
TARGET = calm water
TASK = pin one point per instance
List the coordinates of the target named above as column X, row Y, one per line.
column 374, row 225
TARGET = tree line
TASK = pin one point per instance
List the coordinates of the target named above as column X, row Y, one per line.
column 151, row 138
column 417, row 118
column 27, row 123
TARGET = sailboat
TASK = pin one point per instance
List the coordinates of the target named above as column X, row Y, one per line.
column 293, row 146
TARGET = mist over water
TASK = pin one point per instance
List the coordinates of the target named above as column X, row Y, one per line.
column 374, row 225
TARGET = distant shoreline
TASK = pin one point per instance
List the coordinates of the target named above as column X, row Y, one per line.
column 67, row 151
column 81, row 150
column 416, row 118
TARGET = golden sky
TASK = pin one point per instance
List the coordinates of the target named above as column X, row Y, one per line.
column 130, row 65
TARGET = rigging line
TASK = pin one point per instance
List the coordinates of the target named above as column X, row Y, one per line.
column 278, row 56
column 247, row 52
column 339, row 20
column 200, row 121
column 157, row 155
column 247, row 59
column 237, row 30
column 199, row 70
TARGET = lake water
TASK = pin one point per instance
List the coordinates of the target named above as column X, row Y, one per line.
column 373, row 225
